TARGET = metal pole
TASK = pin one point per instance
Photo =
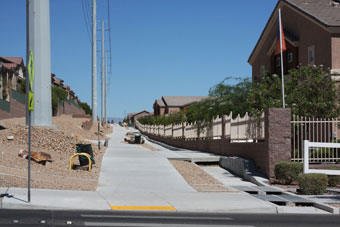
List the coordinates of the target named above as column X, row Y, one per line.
column 39, row 43
column 27, row 57
column 99, row 135
column 282, row 76
column 105, row 90
column 29, row 158
column 103, row 82
column 28, row 113
column 94, row 62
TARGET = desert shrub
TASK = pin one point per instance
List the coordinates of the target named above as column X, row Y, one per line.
column 287, row 172
column 312, row 183
column 86, row 108
column 333, row 181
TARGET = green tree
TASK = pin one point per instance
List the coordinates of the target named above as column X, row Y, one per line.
column 224, row 98
column 265, row 93
column 230, row 98
column 58, row 95
column 86, row 108
column 309, row 92
column 312, row 92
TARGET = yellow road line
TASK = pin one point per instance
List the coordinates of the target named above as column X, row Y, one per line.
column 166, row 208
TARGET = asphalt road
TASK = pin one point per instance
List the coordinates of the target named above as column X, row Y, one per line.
column 162, row 219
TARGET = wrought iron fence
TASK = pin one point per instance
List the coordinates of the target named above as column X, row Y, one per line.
column 322, row 130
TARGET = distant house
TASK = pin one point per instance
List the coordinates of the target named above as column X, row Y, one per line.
column 56, row 81
column 170, row 104
column 159, row 107
column 60, row 83
column 312, row 35
column 131, row 117
column 11, row 74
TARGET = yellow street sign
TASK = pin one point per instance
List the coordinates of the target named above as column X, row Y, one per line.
column 30, row 101
column 30, row 68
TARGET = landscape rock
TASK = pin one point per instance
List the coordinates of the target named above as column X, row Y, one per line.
column 39, row 157
column 58, row 143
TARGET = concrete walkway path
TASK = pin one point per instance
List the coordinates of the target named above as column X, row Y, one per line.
column 133, row 177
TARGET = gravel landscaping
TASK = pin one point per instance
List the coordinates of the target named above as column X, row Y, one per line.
column 198, row 178
column 59, row 142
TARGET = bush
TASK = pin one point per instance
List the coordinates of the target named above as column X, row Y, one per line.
column 58, row 94
column 333, row 181
column 312, row 183
column 287, row 172
column 86, row 108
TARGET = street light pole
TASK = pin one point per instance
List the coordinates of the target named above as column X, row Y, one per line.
column 103, row 76
column 39, row 43
column 94, row 62
column 105, row 91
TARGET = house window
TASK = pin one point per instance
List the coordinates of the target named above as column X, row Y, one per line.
column 290, row 57
column 262, row 68
column 311, row 55
column 278, row 61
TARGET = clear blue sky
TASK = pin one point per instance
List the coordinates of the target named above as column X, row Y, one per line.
column 159, row 47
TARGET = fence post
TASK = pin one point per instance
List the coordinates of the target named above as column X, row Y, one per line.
column 183, row 130
column 278, row 138
column 172, row 130
column 223, row 126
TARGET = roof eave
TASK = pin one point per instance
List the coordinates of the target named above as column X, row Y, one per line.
column 330, row 28
column 250, row 59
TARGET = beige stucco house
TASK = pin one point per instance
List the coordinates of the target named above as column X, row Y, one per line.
column 12, row 71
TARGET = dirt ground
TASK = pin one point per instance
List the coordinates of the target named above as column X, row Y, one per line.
column 72, row 126
column 59, row 142
column 197, row 178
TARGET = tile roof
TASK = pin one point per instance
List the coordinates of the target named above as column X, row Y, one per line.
column 325, row 11
column 11, row 62
column 160, row 102
column 66, row 87
column 131, row 114
column 134, row 114
column 58, row 81
column 179, row 101
column 16, row 60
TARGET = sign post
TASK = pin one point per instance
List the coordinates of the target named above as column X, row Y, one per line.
column 30, row 69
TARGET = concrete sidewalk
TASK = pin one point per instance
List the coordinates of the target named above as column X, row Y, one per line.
column 133, row 177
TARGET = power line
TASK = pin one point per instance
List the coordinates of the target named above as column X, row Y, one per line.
column 86, row 20
column 110, row 52
column 88, row 11
column 109, row 28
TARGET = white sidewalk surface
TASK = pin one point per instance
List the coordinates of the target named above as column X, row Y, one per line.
column 134, row 176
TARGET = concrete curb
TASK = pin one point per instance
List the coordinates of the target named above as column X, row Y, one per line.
column 246, row 169
column 243, row 168
column 163, row 144
column 326, row 207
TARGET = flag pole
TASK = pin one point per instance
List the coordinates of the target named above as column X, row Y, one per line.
column 282, row 76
